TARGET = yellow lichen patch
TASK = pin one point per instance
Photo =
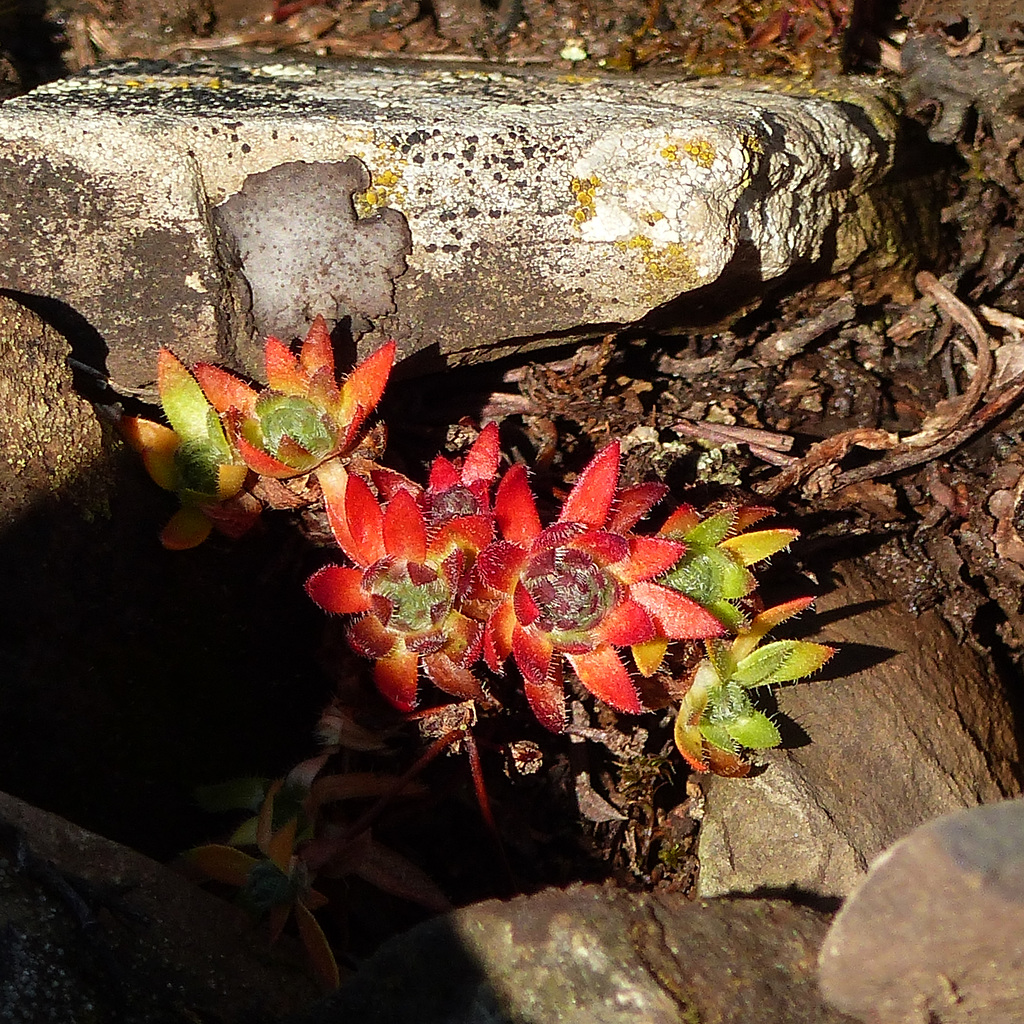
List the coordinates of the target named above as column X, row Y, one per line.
column 670, row 153
column 669, row 262
column 651, row 217
column 383, row 192
column 700, row 151
column 583, row 190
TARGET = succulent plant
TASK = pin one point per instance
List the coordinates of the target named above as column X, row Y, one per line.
column 193, row 458
column 304, row 416
column 411, row 555
column 714, row 570
column 717, row 718
column 580, row 588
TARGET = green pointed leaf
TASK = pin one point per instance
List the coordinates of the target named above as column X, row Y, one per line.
column 764, row 665
column 753, row 547
column 781, row 662
column 712, row 531
column 754, row 730
column 720, row 660
column 717, row 733
column 728, row 614
column 734, row 581
column 235, row 795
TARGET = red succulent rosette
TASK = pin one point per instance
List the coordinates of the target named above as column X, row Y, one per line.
column 405, row 585
column 581, row 588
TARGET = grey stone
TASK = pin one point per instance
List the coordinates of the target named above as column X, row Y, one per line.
column 590, row 955
column 93, row 931
column 906, row 724
column 935, row 932
column 537, row 206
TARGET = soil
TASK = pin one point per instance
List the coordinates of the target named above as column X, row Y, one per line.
column 819, row 431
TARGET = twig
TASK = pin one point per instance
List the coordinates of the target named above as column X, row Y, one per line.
column 765, row 445
column 774, row 351
column 943, row 423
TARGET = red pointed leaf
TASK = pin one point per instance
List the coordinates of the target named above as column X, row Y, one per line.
column 626, row 624
column 262, row 462
column 365, row 522
column 482, row 458
column 362, row 390
column 607, row 548
column 526, row 608
column 499, row 565
column 225, row 390
column 747, row 515
column 633, row 503
column 404, row 532
column 515, row 508
column 498, row 636
column 368, row 637
column 590, row 500
column 681, row 522
column 317, row 352
column 648, row 558
column 533, row 653
column 601, row 671
column 396, row 677
column 389, row 483
column 547, row 699
column 443, row 475
column 337, row 589
column 457, row 681
column 283, row 371
column 679, row 617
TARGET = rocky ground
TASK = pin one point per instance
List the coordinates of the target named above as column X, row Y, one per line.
column 878, row 412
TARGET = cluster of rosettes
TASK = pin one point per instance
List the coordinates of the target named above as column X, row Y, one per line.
column 226, row 441
column 461, row 574
column 443, row 580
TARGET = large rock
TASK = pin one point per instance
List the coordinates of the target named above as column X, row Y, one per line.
column 594, row 956
column 936, row 930
column 525, row 207
column 908, row 724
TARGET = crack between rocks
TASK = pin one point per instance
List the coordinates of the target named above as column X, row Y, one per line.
column 657, row 960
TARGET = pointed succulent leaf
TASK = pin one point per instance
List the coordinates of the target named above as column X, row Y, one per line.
column 754, row 730
column 533, row 652
column 546, row 698
column 515, row 508
column 632, row 504
column 648, row 558
column 224, row 390
column 590, row 500
column 679, row 617
column 157, row 445
column 222, row 863
column 688, row 737
column 318, row 949
column 717, row 734
column 453, row 679
column 782, row 661
column 627, row 624
column 284, row 373
column 754, row 547
column 338, row 589
column 443, row 475
column 649, row 655
column 767, row 620
column 186, row 529
column 364, row 386
column 404, row 532
column 747, row 515
column 601, row 671
column 481, row 461
column 680, row 522
column 365, row 521
column 368, row 636
column 183, row 401
column 396, row 676
column 721, row 662
column 317, row 353
column 262, row 462
column 711, row 531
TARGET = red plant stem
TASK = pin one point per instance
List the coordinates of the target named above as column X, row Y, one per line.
column 484, row 801
column 317, row 852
